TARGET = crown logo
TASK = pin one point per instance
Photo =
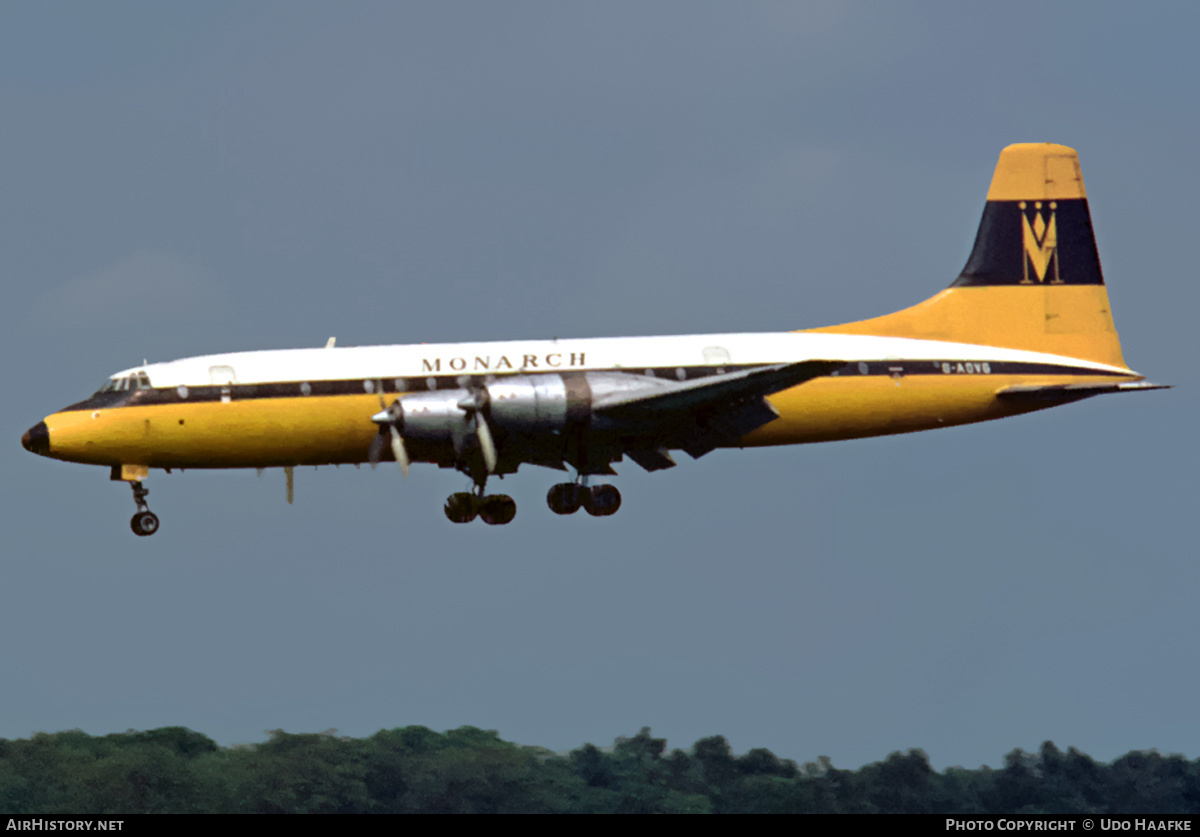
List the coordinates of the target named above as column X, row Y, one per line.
column 1041, row 243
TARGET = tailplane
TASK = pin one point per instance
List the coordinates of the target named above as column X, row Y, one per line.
column 1033, row 280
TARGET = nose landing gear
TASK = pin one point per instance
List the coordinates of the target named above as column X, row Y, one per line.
column 145, row 522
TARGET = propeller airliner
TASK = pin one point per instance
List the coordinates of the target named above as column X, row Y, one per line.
column 1025, row 326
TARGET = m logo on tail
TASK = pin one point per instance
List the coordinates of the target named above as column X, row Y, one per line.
column 1041, row 243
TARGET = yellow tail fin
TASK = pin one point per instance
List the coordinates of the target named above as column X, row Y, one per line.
column 1033, row 279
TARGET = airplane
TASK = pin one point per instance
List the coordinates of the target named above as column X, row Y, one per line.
column 1026, row 325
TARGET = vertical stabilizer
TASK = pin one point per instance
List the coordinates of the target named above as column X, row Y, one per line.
column 1033, row 279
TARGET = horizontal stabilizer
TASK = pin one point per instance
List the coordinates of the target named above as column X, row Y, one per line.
column 1072, row 392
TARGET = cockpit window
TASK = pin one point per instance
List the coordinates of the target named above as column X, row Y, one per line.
column 138, row 380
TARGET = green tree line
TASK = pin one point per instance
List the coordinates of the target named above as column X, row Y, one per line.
column 468, row 770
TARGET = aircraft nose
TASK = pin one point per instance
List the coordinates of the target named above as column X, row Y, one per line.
column 37, row 439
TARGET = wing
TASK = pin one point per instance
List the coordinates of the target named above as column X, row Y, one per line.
column 652, row 416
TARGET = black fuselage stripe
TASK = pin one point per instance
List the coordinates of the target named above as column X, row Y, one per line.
column 423, row 383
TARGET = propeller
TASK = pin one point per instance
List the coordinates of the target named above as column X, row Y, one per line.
column 387, row 417
column 475, row 404
column 391, row 418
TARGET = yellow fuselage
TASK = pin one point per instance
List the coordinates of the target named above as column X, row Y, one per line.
column 270, row 432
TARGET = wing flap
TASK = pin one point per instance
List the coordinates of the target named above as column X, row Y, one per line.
column 658, row 459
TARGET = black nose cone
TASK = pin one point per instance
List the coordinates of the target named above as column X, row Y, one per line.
column 37, row 439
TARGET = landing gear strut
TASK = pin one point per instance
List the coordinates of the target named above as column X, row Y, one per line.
column 145, row 522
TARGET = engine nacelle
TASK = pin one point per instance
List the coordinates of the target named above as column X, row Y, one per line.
column 548, row 403
column 519, row 404
column 433, row 416
column 532, row 403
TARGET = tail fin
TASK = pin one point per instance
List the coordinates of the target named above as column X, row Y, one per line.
column 1033, row 279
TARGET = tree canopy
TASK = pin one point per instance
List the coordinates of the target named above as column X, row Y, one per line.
column 470, row 770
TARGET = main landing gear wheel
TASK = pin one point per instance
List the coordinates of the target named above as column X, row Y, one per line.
column 497, row 510
column 569, row 497
column 601, row 500
column 144, row 523
column 494, row 509
column 461, row 507
column 565, row 497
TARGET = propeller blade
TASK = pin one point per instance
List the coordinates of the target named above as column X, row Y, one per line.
column 374, row 454
column 398, row 450
column 486, row 445
column 475, row 403
column 387, row 417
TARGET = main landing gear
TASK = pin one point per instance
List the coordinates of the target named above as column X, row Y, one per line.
column 570, row 497
column 494, row 509
column 564, row 498
column 145, row 522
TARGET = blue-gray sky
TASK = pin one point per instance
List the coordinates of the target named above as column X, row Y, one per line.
column 190, row 178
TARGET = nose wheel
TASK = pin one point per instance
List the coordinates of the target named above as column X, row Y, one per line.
column 145, row 522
